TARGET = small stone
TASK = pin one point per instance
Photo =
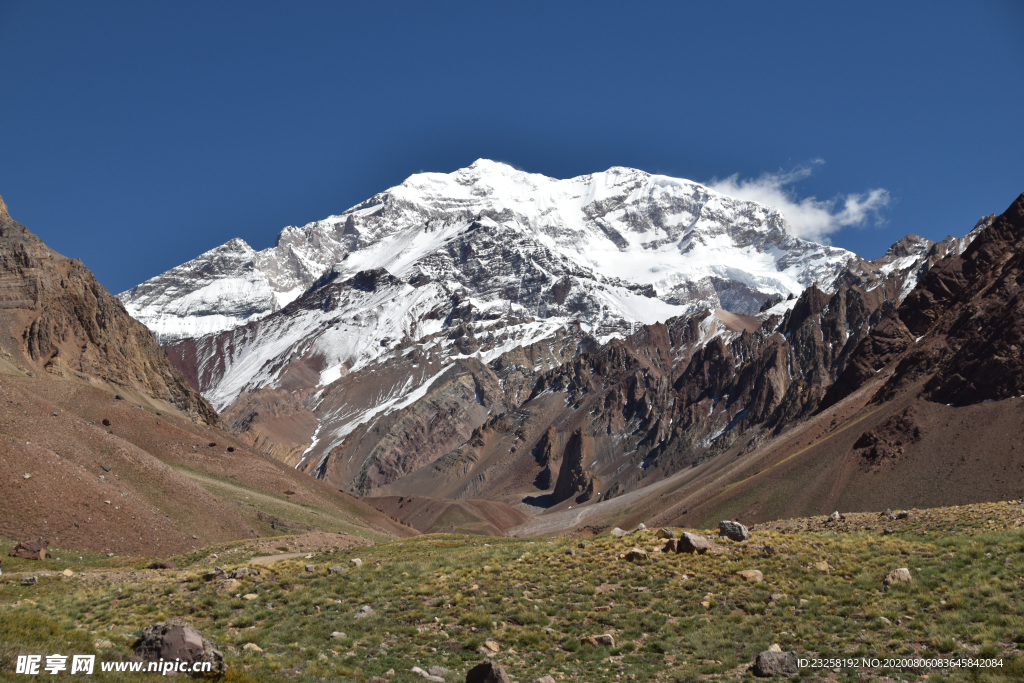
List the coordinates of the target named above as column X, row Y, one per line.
column 438, row 671
column 834, row 517
column 603, row 640
column 217, row 573
column 903, row 514
column 106, row 422
column 110, row 554
column 365, row 611
column 30, row 581
column 68, row 572
column 487, row 672
column 103, row 644
column 641, row 527
column 26, row 476
column 770, row 663
column 581, row 546
column 637, row 554
column 774, row 647
column 250, row 596
column 390, row 673
column 545, row 679
column 356, row 561
column 492, row 645
column 336, row 569
column 105, row 468
column 822, row 567
column 310, row 568
column 733, row 530
column 570, row 551
column 901, row 575
column 665, row 533
column 252, row 647
column 752, row 575
column 692, row 543
column 671, row 546
column 229, row 586
column 885, row 621
column 338, row 634
column 616, row 532
column 777, row 596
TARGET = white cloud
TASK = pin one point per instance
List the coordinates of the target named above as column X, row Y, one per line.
column 808, row 217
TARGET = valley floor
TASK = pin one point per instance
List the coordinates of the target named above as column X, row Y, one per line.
column 451, row 601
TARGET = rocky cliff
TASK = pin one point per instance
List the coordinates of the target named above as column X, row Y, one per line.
column 56, row 318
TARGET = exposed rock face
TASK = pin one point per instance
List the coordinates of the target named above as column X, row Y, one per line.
column 177, row 640
column 60, row 320
column 575, row 480
column 959, row 330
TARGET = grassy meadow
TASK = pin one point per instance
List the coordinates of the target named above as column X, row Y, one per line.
column 451, row 601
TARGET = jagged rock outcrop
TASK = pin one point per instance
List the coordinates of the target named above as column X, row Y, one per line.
column 56, row 318
column 960, row 330
column 575, row 480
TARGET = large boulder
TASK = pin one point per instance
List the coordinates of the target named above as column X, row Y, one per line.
column 32, row 550
column 487, row 672
column 173, row 640
column 733, row 530
column 770, row 663
column 692, row 543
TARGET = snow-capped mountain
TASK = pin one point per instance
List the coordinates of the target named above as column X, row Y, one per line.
column 394, row 329
column 623, row 229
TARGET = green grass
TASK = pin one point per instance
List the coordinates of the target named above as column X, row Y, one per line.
column 432, row 592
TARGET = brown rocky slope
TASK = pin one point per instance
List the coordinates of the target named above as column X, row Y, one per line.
column 105, row 447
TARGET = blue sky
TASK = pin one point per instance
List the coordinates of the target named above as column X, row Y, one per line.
column 137, row 135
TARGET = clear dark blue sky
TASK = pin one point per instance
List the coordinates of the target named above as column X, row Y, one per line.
column 136, row 135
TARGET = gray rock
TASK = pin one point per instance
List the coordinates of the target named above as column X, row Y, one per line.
column 487, row 672
column 665, row 533
column 570, row 551
column 770, row 663
column 217, row 573
column 545, row 679
column 438, row 671
column 310, row 568
column 903, row 514
column 834, row 517
column 338, row 634
column 242, row 572
column 105, row 468
column 692, row 543
column 733, row 530
column 336, row 569
column 173, row 640
column 619, row 533
column 365, row 611
column 30, row 581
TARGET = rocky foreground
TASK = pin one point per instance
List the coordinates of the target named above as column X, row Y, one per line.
column 640, row 604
